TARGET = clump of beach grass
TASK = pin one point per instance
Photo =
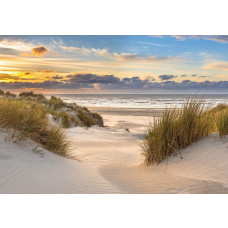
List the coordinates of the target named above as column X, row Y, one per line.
column 25, row 119
column 9, row 95
column 222, row 122
column 56, row 103
column 67, row 115
column 218, row 108
column 29, row 95
column 1, row 92
column 86, row 119
column 176, row 129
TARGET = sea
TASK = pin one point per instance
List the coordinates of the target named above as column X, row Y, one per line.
column 139, row 100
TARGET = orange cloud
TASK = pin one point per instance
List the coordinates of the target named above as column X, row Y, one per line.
column 217, row 66
column 37, row 51
column 7, row 77
column 48, row 71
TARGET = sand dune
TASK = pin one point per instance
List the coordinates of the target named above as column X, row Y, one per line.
column 22, row 170
column 111, row 162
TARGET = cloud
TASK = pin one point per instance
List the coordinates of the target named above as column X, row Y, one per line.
column 8, row 51
column 138, row 58
column 152, row 44
column 216, row 38
column 57, row 77
column 8, row 77
column 222, row 39
column 194, row 75
column 150, row 78
column 166, row 77
column 180, row 37
column 111, row 82
column 48, row 71
column 17, row 45
column 134, row 57
column 39, row 51
column 216, row 66
column 87, row 51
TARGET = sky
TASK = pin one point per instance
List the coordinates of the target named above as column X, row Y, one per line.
column 114, row 64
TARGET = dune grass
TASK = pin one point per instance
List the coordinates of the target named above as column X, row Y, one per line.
column 56, row 103
column 86, row 119
column 1, row 92
column 67, row 115
column 25, row 119
column 176, row 129
column 222, row 122
column 9, row 95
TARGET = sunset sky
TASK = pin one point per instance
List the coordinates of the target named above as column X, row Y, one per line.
column 114, row 64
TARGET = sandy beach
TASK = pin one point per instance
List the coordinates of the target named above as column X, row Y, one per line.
column 109, row 160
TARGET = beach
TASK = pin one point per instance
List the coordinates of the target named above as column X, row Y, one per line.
column 109, row 160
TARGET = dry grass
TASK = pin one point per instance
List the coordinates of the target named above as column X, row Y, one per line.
column 9, row 95
column 67, row 115
column 86, row 119
column 222, row 122
column 24, row 119
column 176, row 129
column 56, row 103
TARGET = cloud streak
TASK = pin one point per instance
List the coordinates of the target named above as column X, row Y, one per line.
column 152, row 44
column 216, row 38
column 165, row 77
column 216, row 66
column 87, row 51
column 130, row 57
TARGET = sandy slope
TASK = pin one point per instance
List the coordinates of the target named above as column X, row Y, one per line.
column 25, row 170
column 111, row 162
column 204, row 160
column 116, row 154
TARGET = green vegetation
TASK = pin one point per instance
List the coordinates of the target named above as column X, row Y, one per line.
column 1, row 92
column 67, row 120
column 86, row 119
column 218, row 108
column 56, row 103
column 177, row 129
column 98, row 118
column 67, row 115
column 27, row 116
column 9, row 95
column 222, row 122
column 23, row 119
column 30, row 95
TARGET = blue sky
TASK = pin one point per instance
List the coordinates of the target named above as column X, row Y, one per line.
column 85, row 64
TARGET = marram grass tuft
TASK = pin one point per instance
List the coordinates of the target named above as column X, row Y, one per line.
column 24, row 119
